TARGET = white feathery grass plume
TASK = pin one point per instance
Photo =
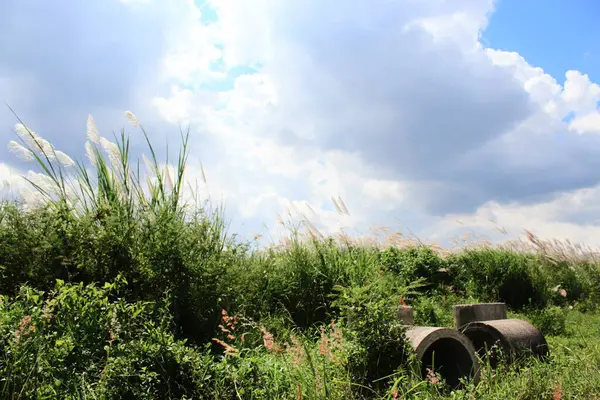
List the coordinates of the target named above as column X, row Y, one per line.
column 336, row 205
column 113, row 152
column 110, row 148
column 343, row 206
column 92, row 130
column 64, row 159
column 20, row 151
column 25, row 134
column 43, row 181
column 132, row 119
column 115, row 162
column 89, row 151
column 148, row 164
column 151, row 185
column 168, row 178
column 34, row 141
column 203, row 173
column 280, row 220
column 312, row 210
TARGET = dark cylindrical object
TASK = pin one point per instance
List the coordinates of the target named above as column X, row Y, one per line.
column 444, row 351
column 465, row 313
column 515, row 337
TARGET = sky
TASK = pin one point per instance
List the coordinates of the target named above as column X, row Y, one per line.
column 530, row 28
column 435, row 118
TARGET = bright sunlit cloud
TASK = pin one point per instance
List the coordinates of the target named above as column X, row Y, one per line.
column 397, row 107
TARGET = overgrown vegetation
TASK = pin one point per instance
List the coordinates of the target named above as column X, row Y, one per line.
column 114, row 287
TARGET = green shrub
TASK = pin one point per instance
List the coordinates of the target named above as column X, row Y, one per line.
column 85, row 339
column 370, row 320
column 550, row 320
column 500, row 275
column 417, row 263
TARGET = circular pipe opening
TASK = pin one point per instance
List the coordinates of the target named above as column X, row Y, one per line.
column 513, row 337
column 487, row 343
column 448, row 357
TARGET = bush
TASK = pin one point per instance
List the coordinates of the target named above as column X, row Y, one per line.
column 550, row 320
column 417, row 263
column 298, row 280
column 85, row 339
column 500, row 275
column 369, row 317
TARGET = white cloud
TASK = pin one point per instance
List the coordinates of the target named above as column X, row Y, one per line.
column 396, row 107
column 588, row 123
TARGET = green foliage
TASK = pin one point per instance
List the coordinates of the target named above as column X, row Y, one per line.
column 501, row 275
column 369, row 315
column 550, row 321
column 417, row 263
column 116, row 288
column 298, row 280
column 86, row 339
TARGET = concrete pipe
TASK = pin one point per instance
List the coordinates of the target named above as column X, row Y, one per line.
column 515, row 338
column 465, row 313
column 444, row 351
column 489, row 329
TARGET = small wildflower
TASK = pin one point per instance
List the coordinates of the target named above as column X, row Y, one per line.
column 296, row 350
column 25, row 328
column 431, row 377
column 557, row 393
column 332, row 342
column 269, row 341
column 324, row 348
column 229, row 350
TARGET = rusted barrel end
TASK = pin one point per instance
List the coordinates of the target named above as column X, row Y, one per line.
column 465, row 313
column 515, row 338
column 444, row 351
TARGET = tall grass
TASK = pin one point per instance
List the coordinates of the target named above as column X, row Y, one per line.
column 115, row 285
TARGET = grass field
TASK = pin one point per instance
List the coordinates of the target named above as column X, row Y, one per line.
column 113, row 288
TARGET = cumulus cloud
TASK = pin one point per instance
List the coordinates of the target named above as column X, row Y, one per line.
column 431, row 123
column 396, row 107
column 62, row 60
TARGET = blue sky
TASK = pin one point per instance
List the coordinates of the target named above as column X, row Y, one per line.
column 556, row 35
column 400, row 108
